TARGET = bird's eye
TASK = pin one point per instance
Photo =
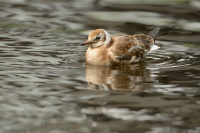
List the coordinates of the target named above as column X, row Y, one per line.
column 97, row 38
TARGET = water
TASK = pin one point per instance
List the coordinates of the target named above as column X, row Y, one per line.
column 45, row 85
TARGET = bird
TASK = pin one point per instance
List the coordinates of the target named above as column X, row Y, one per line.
column 109, row 50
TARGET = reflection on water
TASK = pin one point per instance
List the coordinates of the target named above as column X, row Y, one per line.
column 120, row 78
column 46, row 86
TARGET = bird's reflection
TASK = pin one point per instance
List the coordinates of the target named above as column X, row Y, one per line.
column 135, row 78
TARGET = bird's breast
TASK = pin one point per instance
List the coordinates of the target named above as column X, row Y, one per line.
column 97, row 56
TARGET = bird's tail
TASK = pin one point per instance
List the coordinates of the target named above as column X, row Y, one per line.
column 154, row 33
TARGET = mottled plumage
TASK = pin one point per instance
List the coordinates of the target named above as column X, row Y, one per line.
column 108, row 50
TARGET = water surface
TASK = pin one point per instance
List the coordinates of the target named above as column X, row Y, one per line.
column 46, row 86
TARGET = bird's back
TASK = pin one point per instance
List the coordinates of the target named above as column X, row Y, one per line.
column 122, row 43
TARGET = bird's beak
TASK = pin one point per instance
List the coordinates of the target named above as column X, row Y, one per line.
column 82, row 44
column 86, row 43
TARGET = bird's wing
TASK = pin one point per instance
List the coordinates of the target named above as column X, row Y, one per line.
column 122, row 43
column 145, row 41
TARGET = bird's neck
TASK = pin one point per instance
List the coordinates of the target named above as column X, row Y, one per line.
column 108, row 39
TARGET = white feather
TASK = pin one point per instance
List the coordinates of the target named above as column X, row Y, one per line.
column 154, row 47
column 108, row 38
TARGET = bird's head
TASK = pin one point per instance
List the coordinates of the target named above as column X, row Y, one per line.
column 97, row 38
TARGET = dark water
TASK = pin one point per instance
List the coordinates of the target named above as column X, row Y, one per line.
column 46, row 87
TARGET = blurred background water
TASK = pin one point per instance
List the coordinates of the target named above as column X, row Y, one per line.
column 45, row 86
